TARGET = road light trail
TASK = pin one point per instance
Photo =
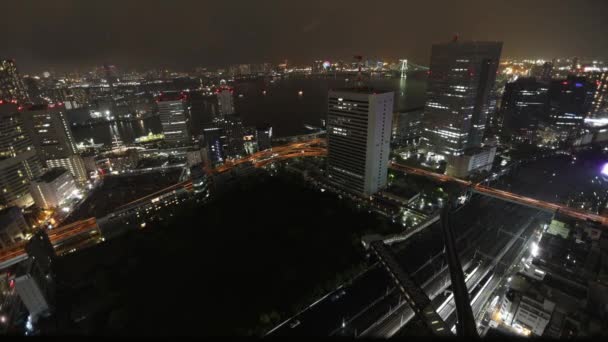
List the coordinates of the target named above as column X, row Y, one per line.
column 505, row 195
column 316, row 148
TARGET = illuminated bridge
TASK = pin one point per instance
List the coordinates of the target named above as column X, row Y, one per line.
column 414, row 295
column 505, row 195
column 310, row 148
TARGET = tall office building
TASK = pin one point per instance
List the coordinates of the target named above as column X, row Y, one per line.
column 225, row 100
column 41, row 250
column 233, row 135
column 19, row 163
column 358, row 137
column 11, row 85
column 461, row 77
column 34, row 279
column 212, row 142
column 407, row 127
column 173, row 118
column 524, row 106
column 263, row 136
column 48, row 128
column 12, row 227
column 570, row 101
column 33, row 289
column 599, row 105
column 542, row 72
column 33, row 89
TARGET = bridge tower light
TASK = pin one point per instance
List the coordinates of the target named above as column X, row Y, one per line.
column 403, row 68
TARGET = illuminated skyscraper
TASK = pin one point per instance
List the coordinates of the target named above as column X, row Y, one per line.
column 570, row 101
column 599, row 105
column 263, row 136
column 358, row 137
column 234, row 131
column 11, row 85
column 461, row 77
column 524, row 105
column 542, row 72
column 225, row 100
column 48, row 128
column 173, row 118
column 19, row 163
column 212, row 141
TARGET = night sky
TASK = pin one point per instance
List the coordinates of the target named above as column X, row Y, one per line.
column 66, row 35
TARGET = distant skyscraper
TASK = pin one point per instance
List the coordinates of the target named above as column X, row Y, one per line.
column 212, row 142
column 461, row 77
column 407, row 127
column 358, row 136
column 173, row 118
column 542, row 72
column 524, row 105
column 32, row 86
column 263, row 136
column 599, row 105
column 225, row 101
column 200, row 182
column 111, row 76
column 199, row 108
column 570, row 101
column 49, row 129
column 249, row 141
column 239, row 70
column 11, row 85
column 19, row 163
column 234, row 131
column 574, row 66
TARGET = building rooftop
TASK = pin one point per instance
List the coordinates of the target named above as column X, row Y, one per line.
column 170, row 96
column 558, row 228
column 362, row 90
column 7, row 215
column 471, row 151
column 52, row 174
column 7, row 107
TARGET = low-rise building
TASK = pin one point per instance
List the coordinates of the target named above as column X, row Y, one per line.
column 74, row 164
column 524, row 312
column 407, row 127
column 12, row 226
column 473, row 160
column 53, row 188
column 194, row 156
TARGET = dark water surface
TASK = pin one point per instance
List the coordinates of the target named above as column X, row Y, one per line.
column 281, row 106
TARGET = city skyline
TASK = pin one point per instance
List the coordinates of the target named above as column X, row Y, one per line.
column 376, row 170
column 80, row 37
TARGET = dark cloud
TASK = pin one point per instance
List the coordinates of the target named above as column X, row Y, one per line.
column 69, row 34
